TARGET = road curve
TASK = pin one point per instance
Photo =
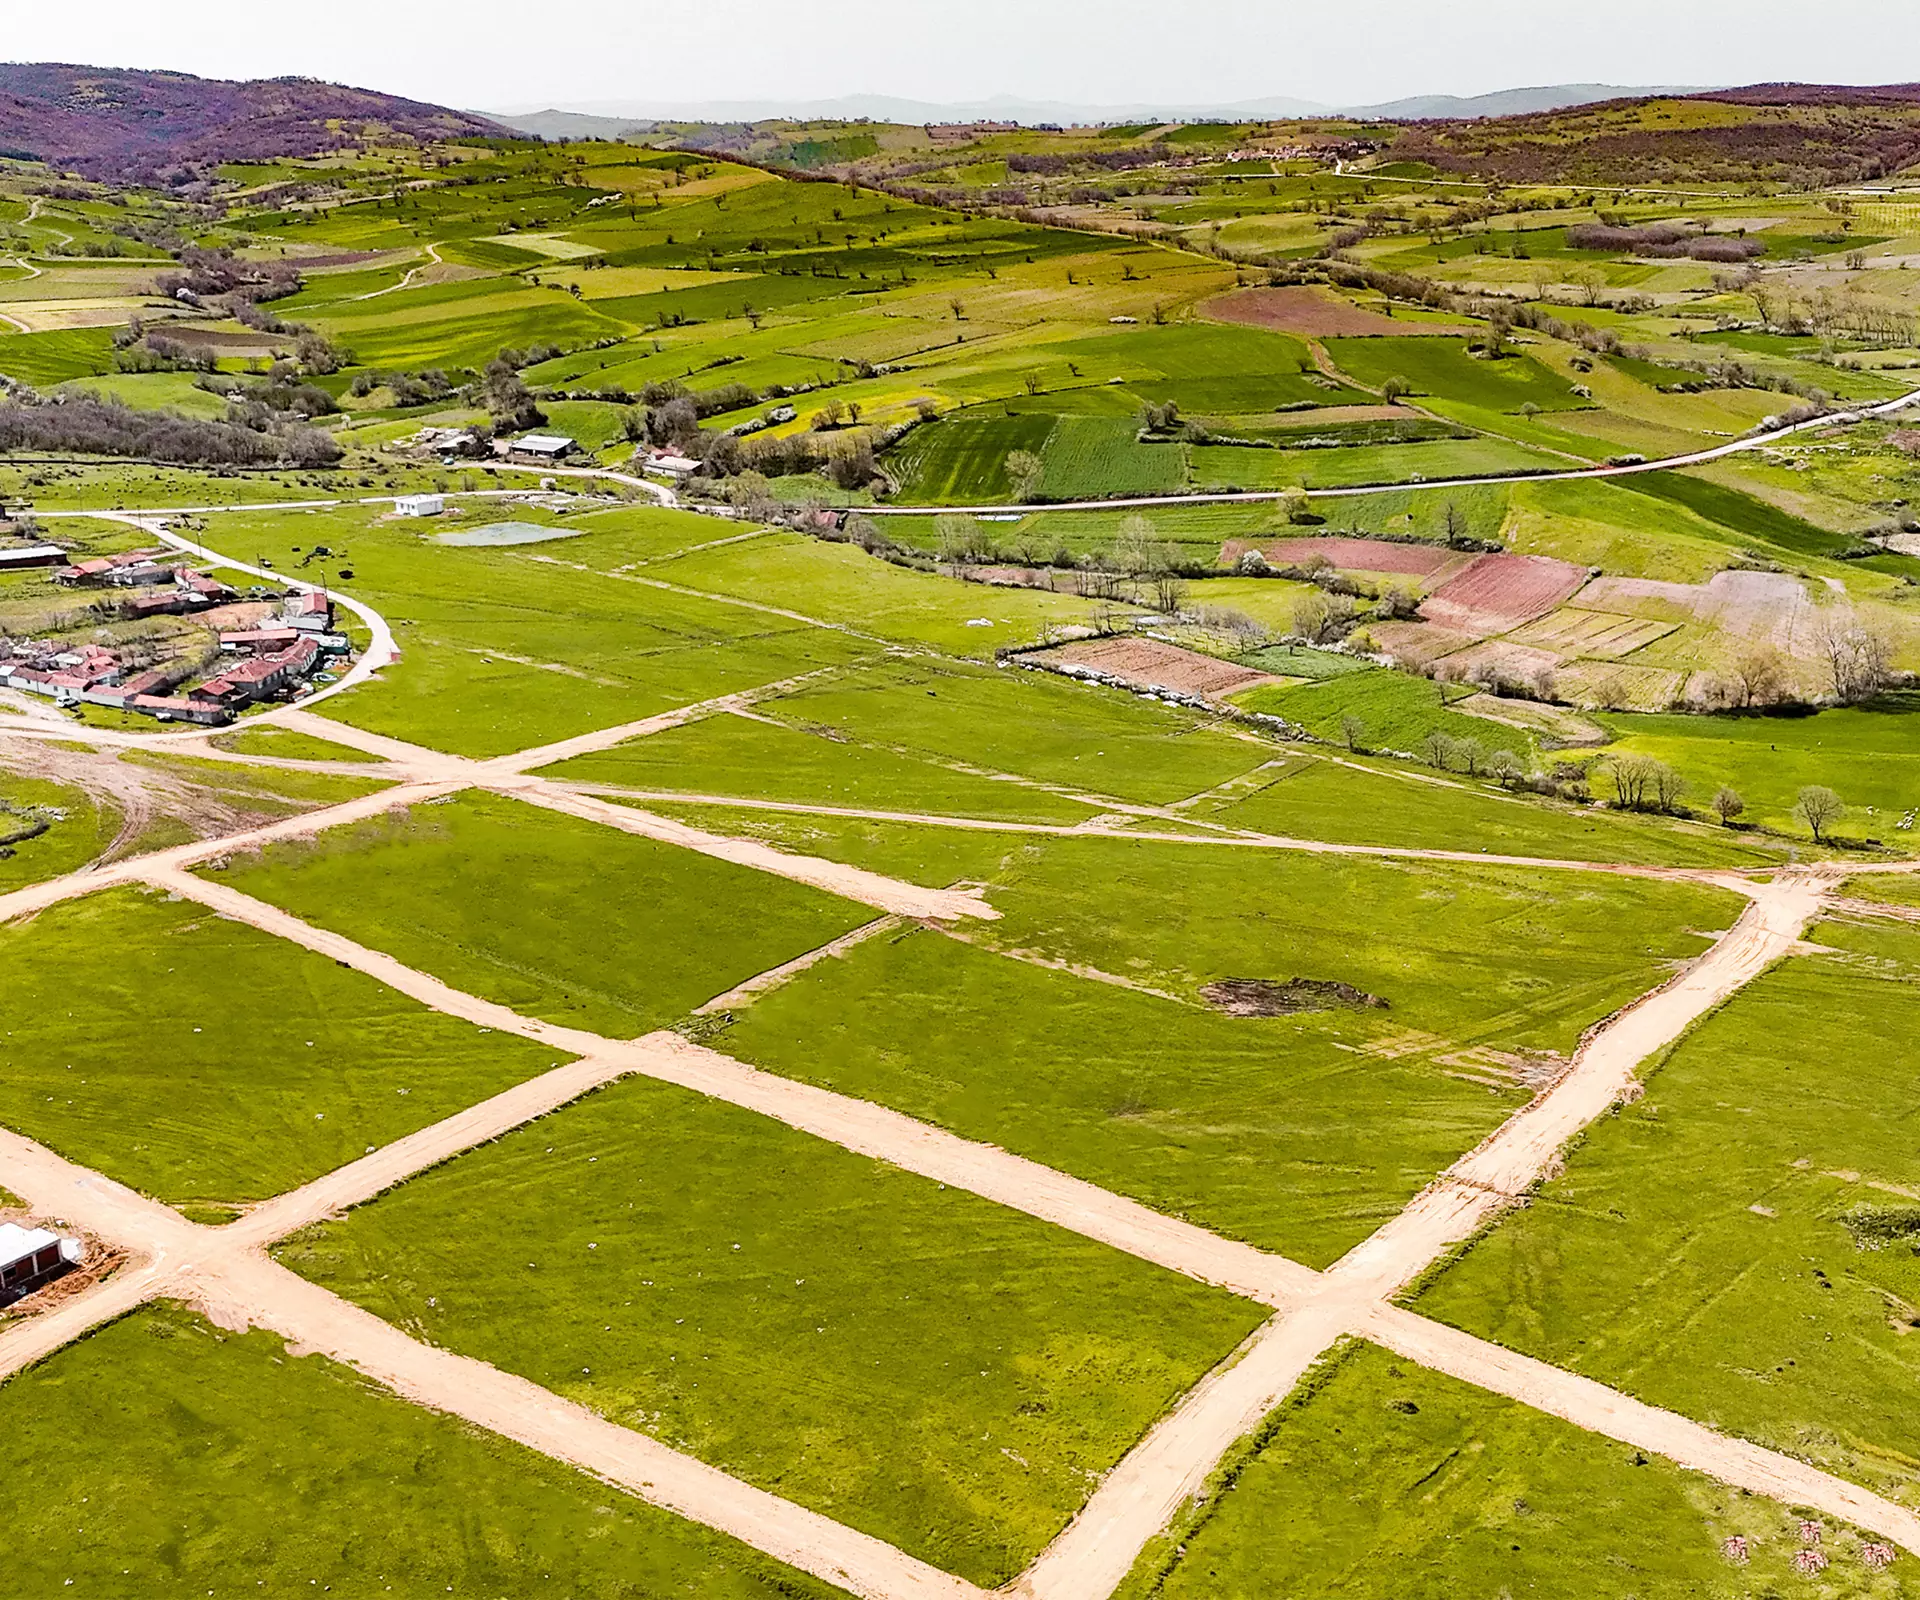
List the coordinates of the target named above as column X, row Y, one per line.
column 1698, row 458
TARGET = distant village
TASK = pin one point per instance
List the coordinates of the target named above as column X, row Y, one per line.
column 287, row 641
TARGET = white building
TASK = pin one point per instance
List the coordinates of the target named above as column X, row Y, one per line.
column 420, row 505
column 28, row 1256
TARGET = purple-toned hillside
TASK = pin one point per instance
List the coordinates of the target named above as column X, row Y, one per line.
column 109, row 123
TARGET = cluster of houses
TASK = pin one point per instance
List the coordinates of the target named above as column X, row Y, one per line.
column 454, row 444
column 171, row 590
column 267, row 661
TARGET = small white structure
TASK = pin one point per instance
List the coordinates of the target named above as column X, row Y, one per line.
column 420, row 505
column 29, row 1256
column 672, row 465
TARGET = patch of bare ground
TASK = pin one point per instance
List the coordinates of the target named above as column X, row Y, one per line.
column 1265, row 997
column 1430, row 562
column 137, row 793
column 1318, row 313
column 1557, row 723
column 1154, row 664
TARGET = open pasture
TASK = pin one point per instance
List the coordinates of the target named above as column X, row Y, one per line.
column 931, row 1368
column 1736, row 1245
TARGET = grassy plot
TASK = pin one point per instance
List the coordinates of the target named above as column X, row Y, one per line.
column 1868, row 755
column 1381, row 1481
column 77, row 830
column 1740, row 1245
column 231, row 1456
column 839, row 585
column 1298, row 1132
column 1443, row 368
column 1347, row 801
column 125, row 1050
column 557, row 918
column 926, row 1366
column 753, row 758
column 502, row 648
column 1028, row 723
column 287, row 745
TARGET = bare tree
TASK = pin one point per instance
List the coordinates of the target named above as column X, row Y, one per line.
column 1471, row 754
column 1169, row 590
column 962, row 541
column 1505, row 768
column 1760, row 671
column 1859, row 660
column 1353, row 731
column 1666, row 786
column 1321, row 618
column 1820, row 808
column 1436, row 749
column 1453, row 522
column 1727, row 802
column 1632, row 780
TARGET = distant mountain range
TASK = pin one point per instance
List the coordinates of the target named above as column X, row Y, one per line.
column 132, row 126
column 603, row 119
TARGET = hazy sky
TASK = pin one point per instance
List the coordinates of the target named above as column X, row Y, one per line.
column 501, row 55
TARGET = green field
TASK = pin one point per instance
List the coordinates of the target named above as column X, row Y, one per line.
column 125, row 1051
column 1378, row 1479
column 761, row 759
column 1300, row 1133
column 1443, row 368
column 924, row 1365
column 78, row 830
column 1709, row 1248
column 555, row 917
column 1866, row 754
column 232, row 1456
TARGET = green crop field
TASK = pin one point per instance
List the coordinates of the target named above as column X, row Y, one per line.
column 943, row 1373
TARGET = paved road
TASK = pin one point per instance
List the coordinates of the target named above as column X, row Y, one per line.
column 1697, row 458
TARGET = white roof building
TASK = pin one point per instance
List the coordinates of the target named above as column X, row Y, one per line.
column 419, row 505
column 27, row 1254
column 554, row 445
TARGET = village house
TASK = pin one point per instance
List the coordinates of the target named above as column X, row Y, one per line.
column 419, row 505
column 168, row 709
column 259, row 641
column 666, row 461
column 259, row 678
column 309, row 610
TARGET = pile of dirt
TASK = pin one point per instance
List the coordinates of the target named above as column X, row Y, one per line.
column 1263, row 997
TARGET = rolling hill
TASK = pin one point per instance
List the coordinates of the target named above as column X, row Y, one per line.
column 134, row 126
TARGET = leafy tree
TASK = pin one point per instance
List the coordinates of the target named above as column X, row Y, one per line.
column 1727, row 802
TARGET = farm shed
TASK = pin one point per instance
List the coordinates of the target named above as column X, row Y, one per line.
column 541, row 449
column 419, row 505
column 33, row 555
column 29, row 1256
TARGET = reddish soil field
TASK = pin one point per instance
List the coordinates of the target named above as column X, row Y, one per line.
column 1317, row 313
column 1416, row 644
column 1355, row 555
column 1149, row 664
column 1499, row 592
